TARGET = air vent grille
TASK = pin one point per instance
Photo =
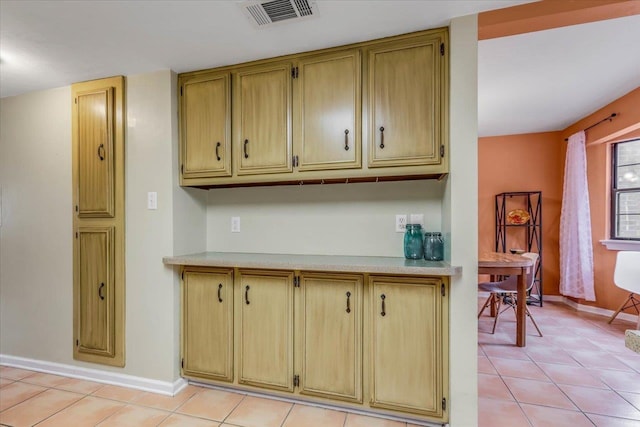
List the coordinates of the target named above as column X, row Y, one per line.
column 263, row 13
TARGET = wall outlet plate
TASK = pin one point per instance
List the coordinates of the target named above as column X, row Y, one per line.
column 235, row 224
column 401, row 223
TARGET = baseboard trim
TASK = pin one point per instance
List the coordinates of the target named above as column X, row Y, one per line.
column 114, row 378
column 581, row 307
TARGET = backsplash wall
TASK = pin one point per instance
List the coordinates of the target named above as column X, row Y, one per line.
column 336, row 219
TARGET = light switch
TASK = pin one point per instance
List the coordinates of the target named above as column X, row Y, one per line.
column 152, row 200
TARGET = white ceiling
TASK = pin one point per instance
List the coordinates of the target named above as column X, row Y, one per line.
column 525, row 82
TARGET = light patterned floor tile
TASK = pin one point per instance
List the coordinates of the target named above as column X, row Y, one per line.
column 604, row 421
column 309, row 416
column 259, row 412
column 45, row 380
column 17, row 392
column 355, row 420
column 135, row 416
column 86, row 412
column 177, row 420
column 5, row 381
column 166, row 403
column 211, row 404
column 114, row 392
column 79, row 386
column 38, row 408
column 542, row 416
column 14, row 373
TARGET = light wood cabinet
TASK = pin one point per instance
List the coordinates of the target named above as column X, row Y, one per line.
column 94, row 109
column 205, row 131
column 98, row 221
column 207, row 323
column 407, row 345
column 262, row 110
column 405, row 99
column 311, row 117
column 327, row 111
column 95, row 305
column 330, row 337
column 265, row 328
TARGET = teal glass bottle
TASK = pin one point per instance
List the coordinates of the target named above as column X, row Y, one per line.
column 413, row 245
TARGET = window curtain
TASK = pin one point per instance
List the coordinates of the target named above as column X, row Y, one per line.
column 576, row 252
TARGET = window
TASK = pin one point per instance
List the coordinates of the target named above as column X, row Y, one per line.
column 625, row 191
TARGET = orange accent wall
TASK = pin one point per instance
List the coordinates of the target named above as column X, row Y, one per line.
column 547, row 14
column 599, row 139
column 530, row 162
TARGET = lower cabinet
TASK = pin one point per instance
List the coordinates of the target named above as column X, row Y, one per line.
column 367, row 341
column 265, row 325
column 207, row 323
column 407, row 345
column 331, row 336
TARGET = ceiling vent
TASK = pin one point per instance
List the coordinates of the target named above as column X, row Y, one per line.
column 268, row 12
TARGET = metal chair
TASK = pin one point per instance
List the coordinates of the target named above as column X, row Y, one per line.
column 627, row 276
column 505, row 292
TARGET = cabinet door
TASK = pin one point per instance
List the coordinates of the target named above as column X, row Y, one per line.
column 262, row 99
column 404, row 103
column 330, row 336
column 266, row 329
column 95, row 153
column 206, row 126
column 207, row 323
column 407, row 345
column 328, row 111
column 95, row 299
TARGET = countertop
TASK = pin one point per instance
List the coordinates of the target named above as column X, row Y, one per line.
column 325, row 263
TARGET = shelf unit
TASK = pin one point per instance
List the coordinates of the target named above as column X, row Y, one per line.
column 508, row 235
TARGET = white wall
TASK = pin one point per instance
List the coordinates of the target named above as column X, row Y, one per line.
column 336, row 219
column 36, row 277
column 36, row 234
column 460, row 214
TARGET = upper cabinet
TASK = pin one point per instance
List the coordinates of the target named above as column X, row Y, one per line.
column 262, row 112
column 369, row 111
column 205, row 128
column 327, row 104
column 404, row 99
column 95, row 183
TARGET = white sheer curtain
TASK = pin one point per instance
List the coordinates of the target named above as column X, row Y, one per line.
column 576, row 252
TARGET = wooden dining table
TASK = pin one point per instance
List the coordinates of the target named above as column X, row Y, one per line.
column 498, row 263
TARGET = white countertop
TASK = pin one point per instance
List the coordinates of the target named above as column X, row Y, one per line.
column 327, row 263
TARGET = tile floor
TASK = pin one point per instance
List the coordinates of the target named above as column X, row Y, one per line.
column 30, row 398
column 579, row 374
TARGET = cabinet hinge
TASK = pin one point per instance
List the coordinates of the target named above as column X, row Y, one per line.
column 76, row 100
column 180, row 90
column 444, row 403
column 296, row 281
column 442, row 150
column 183, row 275
column 442, row 49
column 442, row 290
column 182, row 169
column 294, row 72
column 182, row 363
column 76, row 234
column 295, row 161
column 77, row 343
column 296, row 380
column 76, row 208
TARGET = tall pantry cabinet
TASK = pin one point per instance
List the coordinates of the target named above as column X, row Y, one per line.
column 98, row 221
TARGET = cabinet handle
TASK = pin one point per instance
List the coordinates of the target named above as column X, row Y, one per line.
column 348, row 302
column 101, row 151
column 381, row 136
column 346, row 140
column 219, row 292
column 246, row 295
column 100, row 291
column 246, row 155
column 382, row 297
column 217, row 153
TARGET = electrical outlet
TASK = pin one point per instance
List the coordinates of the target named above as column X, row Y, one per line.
column 235, row 224
column 401, row 223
